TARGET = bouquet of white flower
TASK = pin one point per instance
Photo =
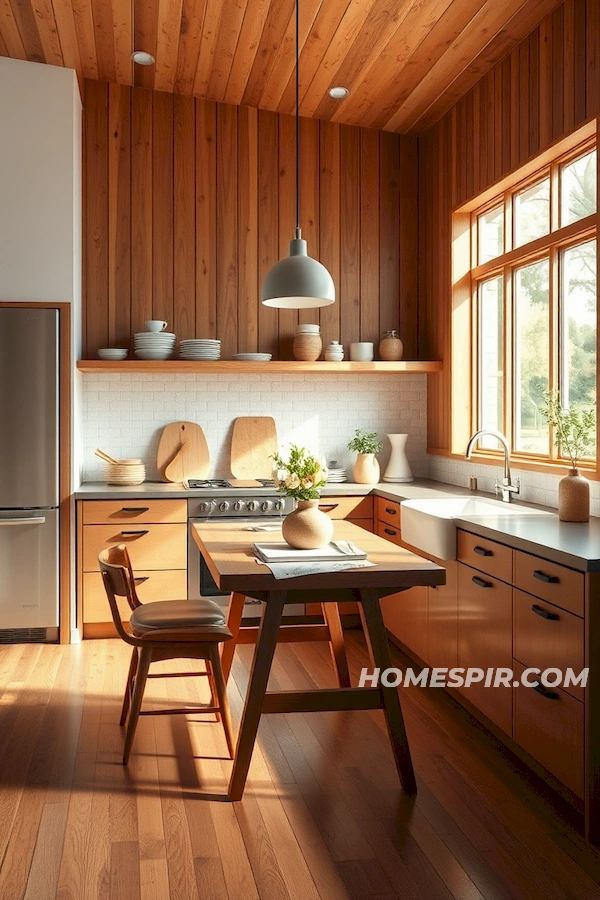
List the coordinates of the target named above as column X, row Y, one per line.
column 301, row 475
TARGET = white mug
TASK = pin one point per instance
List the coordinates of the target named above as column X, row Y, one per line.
column 361, row 351
column 155, row 325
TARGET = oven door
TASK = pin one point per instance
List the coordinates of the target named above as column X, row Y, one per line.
column 202, row 584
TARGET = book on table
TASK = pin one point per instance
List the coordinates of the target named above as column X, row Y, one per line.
column 332, row 552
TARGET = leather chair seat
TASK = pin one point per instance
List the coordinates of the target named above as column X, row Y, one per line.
column 175, row 614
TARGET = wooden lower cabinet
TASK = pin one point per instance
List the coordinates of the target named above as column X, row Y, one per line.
column 485, row 640
column 442, row 619
column 155, row 533
column 405, row 616
column 549, row 726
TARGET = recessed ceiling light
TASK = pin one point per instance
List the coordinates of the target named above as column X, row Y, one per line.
column 142, row 58
column 338, row 93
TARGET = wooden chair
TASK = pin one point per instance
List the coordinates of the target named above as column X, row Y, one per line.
column 165, row 629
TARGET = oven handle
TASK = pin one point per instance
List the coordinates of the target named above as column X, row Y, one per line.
column 30, row 520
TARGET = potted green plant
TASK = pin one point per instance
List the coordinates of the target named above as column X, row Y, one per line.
column 366, row 444
column 574, row 435
column 302, row 476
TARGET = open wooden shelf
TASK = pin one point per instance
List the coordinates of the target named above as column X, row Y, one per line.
column 290, row 367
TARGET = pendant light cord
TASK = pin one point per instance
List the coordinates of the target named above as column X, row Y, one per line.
column 297, row 118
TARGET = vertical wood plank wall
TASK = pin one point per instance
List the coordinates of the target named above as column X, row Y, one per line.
column 188, row 203
column 544, row 89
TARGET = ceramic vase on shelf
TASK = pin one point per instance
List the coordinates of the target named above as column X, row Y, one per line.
column 307, row 343
column 307, row 528
column 366, row 469
column 398, row 469
column 574, row 498
column 390, row 346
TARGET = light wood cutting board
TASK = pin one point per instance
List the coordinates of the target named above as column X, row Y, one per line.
column 253, row 441
column 194, row 461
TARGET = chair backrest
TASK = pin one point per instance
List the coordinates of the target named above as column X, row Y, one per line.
column 119, row 581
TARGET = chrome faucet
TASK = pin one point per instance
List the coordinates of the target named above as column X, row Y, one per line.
column 507, row 488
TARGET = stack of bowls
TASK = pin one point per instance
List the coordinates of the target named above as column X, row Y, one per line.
column 153, row 345
column 200, row 348
column 125, row 471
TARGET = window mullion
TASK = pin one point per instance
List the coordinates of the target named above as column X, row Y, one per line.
column 509, row 354
column 555, row 335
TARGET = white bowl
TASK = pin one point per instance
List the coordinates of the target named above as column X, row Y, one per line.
column 361, row 351
column 153, row 354
column 308, row 329
column 113, row 353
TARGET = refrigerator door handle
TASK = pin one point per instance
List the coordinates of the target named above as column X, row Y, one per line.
column 33, row 520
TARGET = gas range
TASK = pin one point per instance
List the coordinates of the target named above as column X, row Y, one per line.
column 205, row 483
column 239, row 505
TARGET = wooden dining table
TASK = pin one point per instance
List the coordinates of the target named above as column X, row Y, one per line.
column 227, row 550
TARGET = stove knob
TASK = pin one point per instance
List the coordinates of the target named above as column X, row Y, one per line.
column 266, row 506
column 279, row 504
column 252, row 505
column 238, row 505
column 206, row 506
column 224, row 506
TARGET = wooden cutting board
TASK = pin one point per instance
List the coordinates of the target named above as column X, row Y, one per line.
column 193, row 462
column 253, row 441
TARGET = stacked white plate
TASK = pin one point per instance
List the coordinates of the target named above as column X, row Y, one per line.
column 256, row 357
column 150, row 345
column 336, row 475
column 125, row 471
column 200, row 348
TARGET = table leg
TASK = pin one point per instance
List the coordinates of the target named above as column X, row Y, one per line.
column 259, row 677
column 379, row 651
column 234, row 621
column 331, row 614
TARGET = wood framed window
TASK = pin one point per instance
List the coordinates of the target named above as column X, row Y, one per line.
column 525, row 301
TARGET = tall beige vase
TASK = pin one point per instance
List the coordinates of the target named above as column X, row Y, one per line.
column 307, row 528
column 366, row 469
column 574, row 498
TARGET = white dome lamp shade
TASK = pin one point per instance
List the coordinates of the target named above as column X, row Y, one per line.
column 298, row 281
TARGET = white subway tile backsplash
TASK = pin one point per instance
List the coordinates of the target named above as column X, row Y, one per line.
column 125, row 414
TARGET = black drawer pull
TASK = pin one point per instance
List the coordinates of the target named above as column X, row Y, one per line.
column 135, row 508
column 547, row 579
column 141, row 579
column 549, row 695
column 134, row 533
column 483, row 551
column 481, row 582
column 392, row 512
column 328, row 506
column 543, row 612
column 390, row 531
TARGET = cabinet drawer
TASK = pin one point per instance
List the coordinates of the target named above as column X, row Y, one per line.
column 149, row 546
column 161, row 585
column 551, row 730
column 485, row 640
column 347, row 507
column 389, row 532
column 552, row 582
column 126, row 511
column 547, row 637
column 387, row 511
column 485, row 555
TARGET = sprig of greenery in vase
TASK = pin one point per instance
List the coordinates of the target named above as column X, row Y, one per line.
column 301, row 476
column 575, row 430
column 365, row 442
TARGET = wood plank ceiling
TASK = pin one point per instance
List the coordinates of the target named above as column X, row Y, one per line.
column 406, row 62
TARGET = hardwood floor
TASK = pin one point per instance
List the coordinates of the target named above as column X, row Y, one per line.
column 322, row 816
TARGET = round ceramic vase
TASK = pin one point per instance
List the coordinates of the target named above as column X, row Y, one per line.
column 366, row 469
column 574, row 498
column 307, row 527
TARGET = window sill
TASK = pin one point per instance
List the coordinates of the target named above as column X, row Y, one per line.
column 518, row 462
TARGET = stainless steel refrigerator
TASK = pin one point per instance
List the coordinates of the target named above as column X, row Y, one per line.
column 29, row 454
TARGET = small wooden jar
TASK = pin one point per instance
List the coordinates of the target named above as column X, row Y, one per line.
column 390, row 346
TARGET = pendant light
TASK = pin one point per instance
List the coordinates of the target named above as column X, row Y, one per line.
column 298, row 281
